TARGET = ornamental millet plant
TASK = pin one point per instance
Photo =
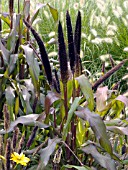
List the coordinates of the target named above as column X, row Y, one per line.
column 74, row 41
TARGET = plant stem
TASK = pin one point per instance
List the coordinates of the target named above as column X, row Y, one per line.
column 73, row 153
column 65, row 100
column 28, row 35
column 108, row 74
column 18, row 6
column 54, row 114
column 73, row 127
column 66, row 115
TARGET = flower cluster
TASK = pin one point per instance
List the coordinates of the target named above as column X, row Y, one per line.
column 19, row 158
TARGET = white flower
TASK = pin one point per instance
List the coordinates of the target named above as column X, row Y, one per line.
column 82, row 2
column 125, row 49
column 119, row 9
column 92, row 18
column 125, row 4
column 82, row 13
column 83, row 35
column 110, row 32
column 125, row 77
column 63, row 4
column 125, row 21
column 106, row 64
column 52, row 34
column 115, row 12
column 52, row 54
column 46, row 14
column 108, row 40
column 127, row 17
column 36, row 21
column 101, row 5
column 81, row 54
column 117, row 62
column 102, row 2
column 94, row 32
column 112, row 27
column 103, row 20
column 89, row 37
column 118, row 12
column 104, row 57
column 116, row 41
column 96, row 41
column 108, row 19
column 76, row 6
column 52, row 41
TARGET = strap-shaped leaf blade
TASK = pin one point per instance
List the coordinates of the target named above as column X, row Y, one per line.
column 86, row 89
column 33, row 65
column 103, row 160
column 54, row 13
column 98, row 127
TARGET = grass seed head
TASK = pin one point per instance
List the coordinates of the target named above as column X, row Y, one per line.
column 62, row 55
column 11, row 7
column 71, row 48
column 77, row 41
column 43, row 53
column 8, row 154
column 15, row 137
column 32, row 137
column 6, row 117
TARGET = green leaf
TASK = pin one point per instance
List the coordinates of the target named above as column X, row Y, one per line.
column 37, row 12
column 54, row 13
column 30, row 120
column 33, row 167
column 26, row 97
column 118, row 130
column 5, row 19
column 11, row 41
column 98, row 127
column 115, row 122
column 4, row 52
column 74, row 106
column 104, row 160
column 125, row 162
column 86, row 89
column 48, row 151
column 116, row 108
column 80, row 132
column 76, row 167
column 70, row 89
column 12, row 62
column 10, row 95
column 33, row 65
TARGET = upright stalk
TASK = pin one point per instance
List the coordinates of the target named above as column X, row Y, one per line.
column 11, row 10
column 65, row 100
column 64, row 76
